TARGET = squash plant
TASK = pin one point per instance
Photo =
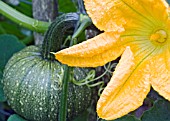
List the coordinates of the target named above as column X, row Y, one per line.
column 32, row 78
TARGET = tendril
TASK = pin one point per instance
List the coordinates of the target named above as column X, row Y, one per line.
column 90, row 79
column 111, row 66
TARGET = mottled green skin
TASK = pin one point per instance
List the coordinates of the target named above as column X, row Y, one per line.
column 32, row 86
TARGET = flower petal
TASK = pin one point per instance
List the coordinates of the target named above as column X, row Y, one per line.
column 160, row 71
column 127, row 89
column 93, row 52
column 110, row 15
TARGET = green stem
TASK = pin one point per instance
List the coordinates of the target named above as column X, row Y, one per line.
column 85, row 22
column 22, row 20
column 27, row 40
column 63, row 106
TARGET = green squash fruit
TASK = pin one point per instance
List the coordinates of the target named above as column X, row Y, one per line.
column 32, row 84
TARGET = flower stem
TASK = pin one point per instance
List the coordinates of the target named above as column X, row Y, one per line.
column 23, row 20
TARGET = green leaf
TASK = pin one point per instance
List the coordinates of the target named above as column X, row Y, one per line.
column 23, row 6
column 2, row 30
column 126, row 118
column 1, row 75
column 66, row 6
column 159, row 112
column 168, row 1
column 9, row 45
column 9, row 27
column 15, row 117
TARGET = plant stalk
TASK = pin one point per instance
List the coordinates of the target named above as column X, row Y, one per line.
column 63, row 106
column 23, row 20
column 84, row 22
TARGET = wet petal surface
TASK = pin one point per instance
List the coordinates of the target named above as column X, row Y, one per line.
column 111, row 15
column 93, row 52
column 127, row 89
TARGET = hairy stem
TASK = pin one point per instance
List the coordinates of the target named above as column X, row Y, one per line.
column 23, row 20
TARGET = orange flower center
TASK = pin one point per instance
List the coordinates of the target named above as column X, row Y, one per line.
column 160, row 36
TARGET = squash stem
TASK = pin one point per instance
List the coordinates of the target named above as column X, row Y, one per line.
column 63, row 106
column 55, row 36
column 23, row 20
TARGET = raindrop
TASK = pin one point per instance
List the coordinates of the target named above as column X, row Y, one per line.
column 93, row 9
column 35, row 24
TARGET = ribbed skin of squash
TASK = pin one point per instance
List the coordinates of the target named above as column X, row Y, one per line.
column 32, row 86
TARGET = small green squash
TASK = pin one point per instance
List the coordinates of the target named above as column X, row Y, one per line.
column 32, row 79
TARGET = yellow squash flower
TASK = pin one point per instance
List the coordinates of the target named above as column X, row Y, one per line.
column 140, row 29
